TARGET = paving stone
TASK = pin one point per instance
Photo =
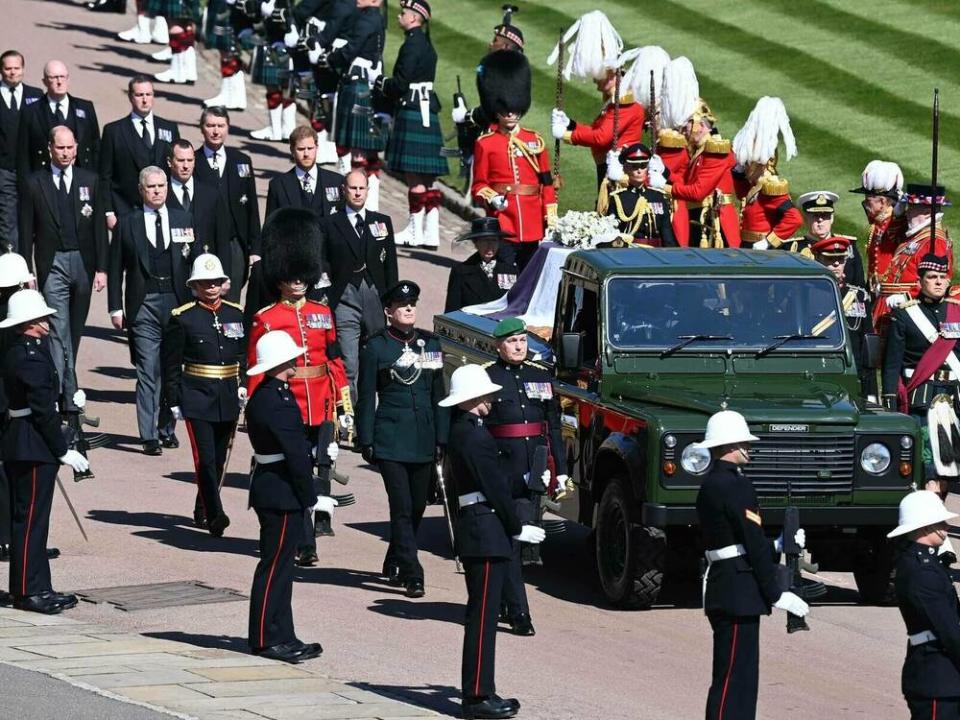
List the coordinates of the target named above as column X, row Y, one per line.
column 359, row 711
column 258, row 687
column 17, row 655
column 21, row 630
column 229, row 715
column 91, row 671
column 121, row 647
column 45, row 639
column 262, row 672
column 169, row 676
column 132, row 660
column 175, row 697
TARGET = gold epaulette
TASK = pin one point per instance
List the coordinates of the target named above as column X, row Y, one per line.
column 183, row 308
column 909, row 303
column 671, row 139
column 238, row 306
column 774, row 185
column 488, row 364
column 717, row 145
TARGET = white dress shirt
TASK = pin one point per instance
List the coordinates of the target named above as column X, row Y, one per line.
column 312, row 172
column 177, row 188
column 221, row 159
column 16, row 93
column 138, row 125
column 64, row 105
column 150, row 224
column 59, row 176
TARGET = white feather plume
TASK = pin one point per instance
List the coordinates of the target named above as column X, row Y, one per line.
column 637, row 77
column 758, row 139
column 680, row 93
column 594, row 47
column 882, row 175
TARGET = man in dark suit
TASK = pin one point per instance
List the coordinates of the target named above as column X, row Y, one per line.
column 57, row 107
column 14, row 97
column 306, row 185
column 150, row 260
column 207, row 208
column 129, row 145
column 362, row 262
column 232, row 172
column 63, row 236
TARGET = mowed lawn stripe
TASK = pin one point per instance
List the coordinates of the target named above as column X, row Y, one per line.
column 930, row 18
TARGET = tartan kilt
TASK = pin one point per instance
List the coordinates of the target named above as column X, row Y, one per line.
column 217, row 30
column 270, row 66
column 414, row 148
column 353, row 131
column 173, row 9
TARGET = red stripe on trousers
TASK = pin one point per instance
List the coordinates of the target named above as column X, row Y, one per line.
column 483, row 615
column 196, row 463
column 26, row 539
column 726, row 680
column 934, row 710
column 273, row 566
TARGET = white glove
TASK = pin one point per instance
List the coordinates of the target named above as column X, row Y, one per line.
column 531, row 534
column 291, row 37
column 176, row 412
column 896, row 300
column 558, row 116
column 80, row 399
column 545, row 478
column 656, row 165
column 459, row 112
column 655, row 179
column 562, row 481
column 614, row 167
column 333, row 450
column 75, row 460
column 242, row 396
column 231, row 2
column 799, row 537
column 792, row 604
column 316, row 54
column 558, row 129
column 761, row 245
column 267, row 7
column 499, row 203
column 325, row 505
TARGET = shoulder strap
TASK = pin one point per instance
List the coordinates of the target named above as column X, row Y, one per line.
column 926, row 328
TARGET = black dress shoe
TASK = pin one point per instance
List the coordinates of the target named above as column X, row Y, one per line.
column 170, row 441
column 38, row 604
column 308, row 651
column 306, row 558
column 512, row 702
column 414, row 588
column 110, row 6
column 392, row 574
column 284, row 652
column 521, row 625
column 152, row 447
column 65, row 601
column 199, row 517
column 220, row 523
column 53, row 553
column 4, row 553
column 490, row 707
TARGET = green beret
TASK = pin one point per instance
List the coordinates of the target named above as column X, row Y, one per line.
column 508, row 327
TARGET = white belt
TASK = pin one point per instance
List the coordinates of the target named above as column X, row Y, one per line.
column 19, row 412
column 921, row 637
column 266, row 459
column 421, row 91
column 370, row 71
column 725, row 553
column 908, row 373
column 471, row 499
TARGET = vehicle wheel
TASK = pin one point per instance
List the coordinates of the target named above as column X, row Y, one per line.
column 874, row 571
column 630, row 557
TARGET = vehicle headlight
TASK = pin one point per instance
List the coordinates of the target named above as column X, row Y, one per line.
column 695, row 460
column 875, row 458
column 670, row 441
column 906, row 442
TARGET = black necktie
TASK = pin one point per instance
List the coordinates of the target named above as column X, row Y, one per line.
column 158, row 239
column 359, row 225
column 145, row 134
column 307, row 187
column 14, row 105
column 61, row 118
column 63, row 185
column 186, row 198
column 214, row 164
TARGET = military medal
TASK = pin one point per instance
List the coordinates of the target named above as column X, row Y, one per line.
column 243, row 170
column 86, row 210
column 83, row 192
column 164, row 135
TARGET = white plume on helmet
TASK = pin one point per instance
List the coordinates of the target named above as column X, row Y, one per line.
column 637, row 79
column 680, row 96
column 758, row 139
column 881, row 175
column 594, row 47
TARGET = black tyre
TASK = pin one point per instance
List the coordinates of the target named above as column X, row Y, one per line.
column 629, row 556
column 875, row 572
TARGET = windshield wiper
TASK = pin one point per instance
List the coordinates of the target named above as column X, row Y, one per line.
column 783, row 340
column 687, row 339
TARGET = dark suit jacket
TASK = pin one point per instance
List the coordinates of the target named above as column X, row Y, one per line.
column 123, row 155
column 129, row 267
column 285, row 191
column 238, row 186
column 210, row 218
column 35, row 123
column 10, row 127
column 469, row 284
column 40, row 221
column 344, row 251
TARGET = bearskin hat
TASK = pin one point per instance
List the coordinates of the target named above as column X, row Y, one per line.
column 503, row 82
column 292, row 242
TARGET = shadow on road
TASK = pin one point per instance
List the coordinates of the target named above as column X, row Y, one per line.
column 440, row 698
column 131, row 51
column 217, row 642
column 419, row 610
column 123, row 397
column 346, row 577
column 276, row 150
column 121, row 70
column 239, row 481
column 434, row 258
column 90, row 30
column 177, row 531
column 102, row 333
column 121, row 373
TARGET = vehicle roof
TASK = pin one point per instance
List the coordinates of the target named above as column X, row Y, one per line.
column 668, row 261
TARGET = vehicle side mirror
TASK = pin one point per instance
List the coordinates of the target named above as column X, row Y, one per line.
column 870, row 351
column 571, row 351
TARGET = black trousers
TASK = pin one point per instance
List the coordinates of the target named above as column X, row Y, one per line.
column 519, row 253
column 271, row 616
column 6, row 519
column 514, row 589
column 934, row 709
column 736, row 668
column 31, row 488
column 308, row 541
column 407, row 486
column 209, row 441
column 485, row 577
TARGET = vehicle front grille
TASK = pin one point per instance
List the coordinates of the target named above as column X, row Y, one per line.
column 815, row 463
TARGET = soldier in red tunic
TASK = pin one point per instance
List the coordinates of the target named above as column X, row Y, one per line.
column 291, row 264
column 511, row 175
column 881, row 183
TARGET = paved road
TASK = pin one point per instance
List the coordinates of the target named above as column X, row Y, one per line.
column 587, row 661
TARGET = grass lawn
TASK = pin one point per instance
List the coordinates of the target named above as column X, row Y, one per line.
column 857, row 78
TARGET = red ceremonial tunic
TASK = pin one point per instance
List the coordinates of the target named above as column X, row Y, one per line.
column 517, row 166
column 672, row 149
column 321, row 380
column 885, row 236
column 598, row 136
column 768, row 213
column 708, row 181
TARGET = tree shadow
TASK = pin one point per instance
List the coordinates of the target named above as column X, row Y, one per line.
column 127, row 50
column 103, row 333
column 164, row 93
column 84, row 29
column 121, row 70
column 121, row 373
column 346, row 577
column 177, row 531
column 236, row 480
column 111, row 396
column 433, row 257
column 216, row 642
column 440, row 698
column 403, row 609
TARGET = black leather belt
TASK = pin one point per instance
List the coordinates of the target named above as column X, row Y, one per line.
column 159, row 285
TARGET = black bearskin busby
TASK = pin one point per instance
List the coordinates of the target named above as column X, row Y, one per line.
column 292, row 247
column 503, row 82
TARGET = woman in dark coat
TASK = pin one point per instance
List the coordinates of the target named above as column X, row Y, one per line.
column 483, row 276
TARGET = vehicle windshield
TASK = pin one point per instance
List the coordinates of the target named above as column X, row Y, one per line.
column 756, row 312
